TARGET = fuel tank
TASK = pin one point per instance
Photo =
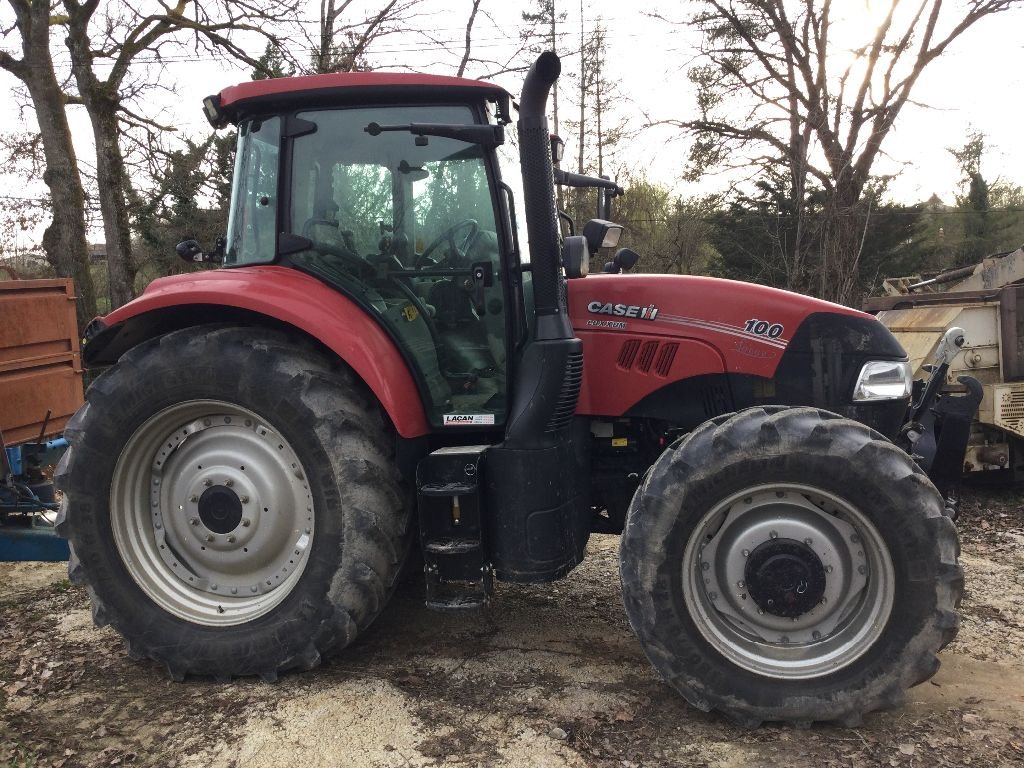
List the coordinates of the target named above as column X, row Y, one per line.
column 657, row 345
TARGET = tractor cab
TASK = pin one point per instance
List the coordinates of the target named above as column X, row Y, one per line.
column 394, row 206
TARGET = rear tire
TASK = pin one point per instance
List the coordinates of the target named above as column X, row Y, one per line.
column 231, row 503
column 789, row 564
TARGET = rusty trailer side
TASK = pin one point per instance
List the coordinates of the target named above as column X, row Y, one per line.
column 40, row 363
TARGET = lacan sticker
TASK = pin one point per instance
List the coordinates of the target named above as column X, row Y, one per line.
column 468, row 419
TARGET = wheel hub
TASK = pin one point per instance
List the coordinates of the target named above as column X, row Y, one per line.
column 217, row 518
column 785, row 577
column 788, row 580
column 220, row 509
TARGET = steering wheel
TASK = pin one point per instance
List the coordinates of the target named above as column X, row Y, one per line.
column 448, row 235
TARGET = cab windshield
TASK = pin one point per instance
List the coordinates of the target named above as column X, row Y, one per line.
column 401, row 224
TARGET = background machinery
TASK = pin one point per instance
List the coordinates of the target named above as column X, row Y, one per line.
column 40, row 388
column 986, row 300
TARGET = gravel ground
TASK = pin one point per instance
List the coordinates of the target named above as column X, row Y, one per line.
column 549, row 676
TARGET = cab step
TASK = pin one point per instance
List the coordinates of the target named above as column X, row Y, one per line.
column 449, row 487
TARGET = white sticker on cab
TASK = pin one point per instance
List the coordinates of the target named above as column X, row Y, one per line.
column 468, row 419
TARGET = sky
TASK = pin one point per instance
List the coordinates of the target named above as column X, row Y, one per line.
column 975, row 85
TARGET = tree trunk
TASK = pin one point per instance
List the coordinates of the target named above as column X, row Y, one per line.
column 113, row 192
column 101, row 101
column 64, row 240
column 841, row 243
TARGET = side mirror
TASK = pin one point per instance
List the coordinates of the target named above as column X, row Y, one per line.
column 190, row 251
column 575, row 257
column 623, row 261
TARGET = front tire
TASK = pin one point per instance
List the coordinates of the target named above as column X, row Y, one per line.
column 788, row 564
column 231, row 503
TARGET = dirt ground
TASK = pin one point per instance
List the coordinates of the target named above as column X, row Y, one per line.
column 549, row 676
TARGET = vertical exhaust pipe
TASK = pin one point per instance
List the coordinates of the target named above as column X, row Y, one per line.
column 551, row 367
column 539, row 198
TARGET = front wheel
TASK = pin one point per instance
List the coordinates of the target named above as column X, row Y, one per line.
column 788, row 564
column 232, row 503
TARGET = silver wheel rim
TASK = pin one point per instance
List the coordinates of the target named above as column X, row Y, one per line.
column 859, row 581
column 211, row 512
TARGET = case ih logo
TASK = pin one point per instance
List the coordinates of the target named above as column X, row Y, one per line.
column 623, row 310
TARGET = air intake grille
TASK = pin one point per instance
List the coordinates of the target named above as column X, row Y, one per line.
column 665, row 358
column 570, row 394
column 628, row 354
column 716, row 401
column 1009, row 403
column 645, row 356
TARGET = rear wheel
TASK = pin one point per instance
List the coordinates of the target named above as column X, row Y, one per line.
column 231, row 503
column 788, row 564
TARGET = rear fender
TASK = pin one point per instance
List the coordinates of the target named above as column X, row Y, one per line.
column 269, row 295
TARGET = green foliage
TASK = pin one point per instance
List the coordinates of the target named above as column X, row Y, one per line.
column 189, row 200
column 987, row 218
column 753, row 238
column 272, row 64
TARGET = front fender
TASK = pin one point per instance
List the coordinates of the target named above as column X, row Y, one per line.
column 269, row 295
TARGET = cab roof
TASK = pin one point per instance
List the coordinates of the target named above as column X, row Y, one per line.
column 351, row 87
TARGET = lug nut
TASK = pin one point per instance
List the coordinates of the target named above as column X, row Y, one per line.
column 828, row 569
column 209, row 537
column 808, row 542
column 244, row 499
column 229, row 482
column 705, row 565
column 231, row 539
column 816, row 635
column 774, row 534
column 746, row 553
column 862, row 569
column 194, row 521
column 193, row 499
column 207, row 482
column 739, row 584
column 246, row 523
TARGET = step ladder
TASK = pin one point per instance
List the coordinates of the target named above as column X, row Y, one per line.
column 449, row 487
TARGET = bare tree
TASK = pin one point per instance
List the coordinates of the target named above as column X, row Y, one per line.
column 348, row 29
column 776, row 90
column 64, row 240
column 112, row 40
column 469, row 38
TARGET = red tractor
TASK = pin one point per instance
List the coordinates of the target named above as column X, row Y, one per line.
column 379, row 362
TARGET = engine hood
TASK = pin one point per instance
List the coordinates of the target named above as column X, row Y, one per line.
column 644, row 332
column 755, row 321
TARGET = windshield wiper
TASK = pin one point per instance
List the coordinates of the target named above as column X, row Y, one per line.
column 485, row 135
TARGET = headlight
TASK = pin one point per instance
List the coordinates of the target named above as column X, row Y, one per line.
column 883, row 380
